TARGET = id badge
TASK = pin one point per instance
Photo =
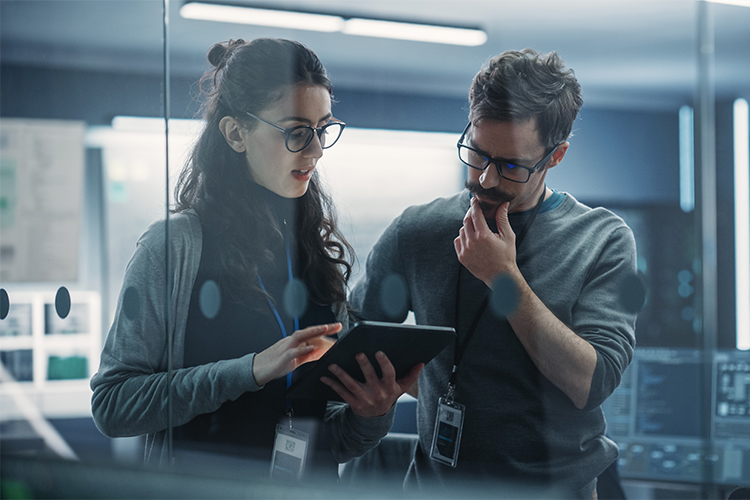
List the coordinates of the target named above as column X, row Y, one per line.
column 289, row 453
column 449, row 425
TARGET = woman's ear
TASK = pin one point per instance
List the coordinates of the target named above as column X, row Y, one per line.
column 232, row 131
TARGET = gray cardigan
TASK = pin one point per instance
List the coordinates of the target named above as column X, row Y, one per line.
column 131, row 386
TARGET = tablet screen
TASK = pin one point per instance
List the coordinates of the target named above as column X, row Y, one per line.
column 405, row 346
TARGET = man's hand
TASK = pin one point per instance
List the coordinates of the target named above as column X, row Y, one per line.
column 375, row 396
column 566, row 359
column 484, row 253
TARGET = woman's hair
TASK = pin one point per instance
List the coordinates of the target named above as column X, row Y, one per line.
column 217, row 184
column 522, row 85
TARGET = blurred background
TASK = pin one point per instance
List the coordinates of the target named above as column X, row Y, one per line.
column 86, row 165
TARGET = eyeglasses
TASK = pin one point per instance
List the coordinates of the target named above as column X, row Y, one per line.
column 299, row 137
column 479, row 160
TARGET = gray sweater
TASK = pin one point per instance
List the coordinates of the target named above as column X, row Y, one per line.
column 518, row 425
column 130, row 388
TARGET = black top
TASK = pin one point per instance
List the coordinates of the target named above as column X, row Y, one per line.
column 246, row 426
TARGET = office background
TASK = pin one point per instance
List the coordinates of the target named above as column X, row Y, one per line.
column 663, row 83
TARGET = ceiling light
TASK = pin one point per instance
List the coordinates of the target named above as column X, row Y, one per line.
column 261, row 17
column 154, row 124
column 415, row 32
column 739, row 3
column 332, row 23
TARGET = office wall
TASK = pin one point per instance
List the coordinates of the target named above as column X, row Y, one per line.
column 623, row 156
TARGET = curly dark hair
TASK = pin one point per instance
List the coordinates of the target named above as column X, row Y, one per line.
column 217, row 184
column 522, row 85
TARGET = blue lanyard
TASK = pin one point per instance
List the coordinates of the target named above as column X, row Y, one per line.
column 276, row 312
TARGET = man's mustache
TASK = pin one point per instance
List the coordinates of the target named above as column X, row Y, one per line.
column 492, row 195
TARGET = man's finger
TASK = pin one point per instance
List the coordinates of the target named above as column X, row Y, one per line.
column 501, row 218
column 367, row 370
column 386, row 367
column 408, row 380
column 338, row 388
column 463, row 236
column 468, row 220
column 477, row 217
column 352, row 385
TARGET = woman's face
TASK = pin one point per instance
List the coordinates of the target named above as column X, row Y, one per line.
column 271, row 164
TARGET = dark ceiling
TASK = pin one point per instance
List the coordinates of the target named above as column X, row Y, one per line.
column 635, row 53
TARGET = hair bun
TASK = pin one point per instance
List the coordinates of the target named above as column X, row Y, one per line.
column 219, row 53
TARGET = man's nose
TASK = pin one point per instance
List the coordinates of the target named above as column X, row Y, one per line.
column 489, row 178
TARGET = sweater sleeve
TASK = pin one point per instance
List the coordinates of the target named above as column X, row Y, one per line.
column 353, row 435
column 604, row 313
column 131, row 387
column 382, row 293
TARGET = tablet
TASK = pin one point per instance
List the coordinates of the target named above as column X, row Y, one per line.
column 405, row 346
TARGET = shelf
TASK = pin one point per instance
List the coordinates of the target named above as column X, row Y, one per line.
column 46, row 366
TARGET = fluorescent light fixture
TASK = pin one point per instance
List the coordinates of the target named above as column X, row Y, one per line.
column 332, row 23
column 151, row 124
column 261, row 17
column 687, row 163
column 738, row 3
column 742, row 221
column 415, row 32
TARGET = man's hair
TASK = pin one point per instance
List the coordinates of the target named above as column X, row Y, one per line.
column 521, row 85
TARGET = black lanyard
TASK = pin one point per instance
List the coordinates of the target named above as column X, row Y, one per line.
column 460, row 349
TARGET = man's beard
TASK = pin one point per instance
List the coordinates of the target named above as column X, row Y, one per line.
column 488, row 199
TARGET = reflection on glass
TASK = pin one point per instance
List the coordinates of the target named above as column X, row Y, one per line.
column 71, row 217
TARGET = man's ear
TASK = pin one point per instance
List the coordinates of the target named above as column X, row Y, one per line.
column 558, row 155
column 232, row 131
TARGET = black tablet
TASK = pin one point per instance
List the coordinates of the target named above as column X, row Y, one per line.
column 405, row 346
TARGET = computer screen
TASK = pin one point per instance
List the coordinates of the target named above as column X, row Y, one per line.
column 671, row 426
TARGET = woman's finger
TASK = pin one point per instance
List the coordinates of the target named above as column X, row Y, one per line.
column 316, row 331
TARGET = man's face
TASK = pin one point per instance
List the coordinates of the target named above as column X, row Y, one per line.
column 518, row 143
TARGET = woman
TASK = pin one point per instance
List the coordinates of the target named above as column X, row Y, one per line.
column 257, row 280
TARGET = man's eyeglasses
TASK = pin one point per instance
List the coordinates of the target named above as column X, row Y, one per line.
column 479, row 160
column 299, row 137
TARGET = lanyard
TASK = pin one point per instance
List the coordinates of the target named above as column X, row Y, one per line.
column 276, row 312
column 460, row 349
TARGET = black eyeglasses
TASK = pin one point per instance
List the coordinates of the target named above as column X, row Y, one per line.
column 479, row 160
column 299, row 137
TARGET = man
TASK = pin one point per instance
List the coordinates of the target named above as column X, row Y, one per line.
column 533, row 282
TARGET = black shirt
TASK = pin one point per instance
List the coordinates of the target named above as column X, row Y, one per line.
column 246, row 426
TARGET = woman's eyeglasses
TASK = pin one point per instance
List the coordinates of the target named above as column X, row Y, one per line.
column 299, row 137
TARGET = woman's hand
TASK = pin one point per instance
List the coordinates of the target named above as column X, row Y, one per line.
column 297, row 349
column 375, row 396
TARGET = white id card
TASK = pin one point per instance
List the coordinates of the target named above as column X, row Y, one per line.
column 289, row 453
column 449, row 424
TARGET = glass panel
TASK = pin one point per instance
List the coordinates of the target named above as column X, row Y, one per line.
column 625, row 155
column 78, row 189
column 730, row 411
column 76, row 192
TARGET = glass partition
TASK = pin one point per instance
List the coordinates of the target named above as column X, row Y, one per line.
column 86, row 167
column 77, row 191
